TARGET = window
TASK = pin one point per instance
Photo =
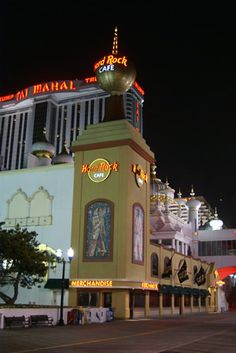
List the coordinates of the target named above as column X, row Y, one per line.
column 154, row 265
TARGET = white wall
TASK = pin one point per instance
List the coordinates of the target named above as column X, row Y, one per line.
column 58, row 181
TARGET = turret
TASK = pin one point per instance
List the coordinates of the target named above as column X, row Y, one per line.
column 216, row 223
column 181, row 202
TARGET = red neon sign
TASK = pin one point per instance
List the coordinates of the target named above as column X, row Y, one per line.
column 54, row 86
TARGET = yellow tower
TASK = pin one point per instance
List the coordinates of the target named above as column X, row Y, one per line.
column 110, row 232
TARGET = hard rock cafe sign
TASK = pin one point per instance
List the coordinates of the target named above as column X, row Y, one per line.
column 99, row 170
column 141, row 177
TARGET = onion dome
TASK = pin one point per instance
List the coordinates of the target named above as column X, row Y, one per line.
column 193, row 202
column 43, row 148
column 216, row 223
column 63, row 157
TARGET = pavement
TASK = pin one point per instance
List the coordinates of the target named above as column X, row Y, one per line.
column 198, row 333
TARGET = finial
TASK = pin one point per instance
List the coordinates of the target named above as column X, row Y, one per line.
column 192, row 193
column 153, row 170
column 216, row 214
column 167, row 183
column 43, row 136
column 179, row 194
column 115, row 42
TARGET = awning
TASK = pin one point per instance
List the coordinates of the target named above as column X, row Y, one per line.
column 226, row 271
column 55, row 283
column 204, row 292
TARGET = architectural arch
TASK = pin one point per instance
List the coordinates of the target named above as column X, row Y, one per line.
column 154, row 265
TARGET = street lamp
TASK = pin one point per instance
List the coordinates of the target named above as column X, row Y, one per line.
column 60, row 259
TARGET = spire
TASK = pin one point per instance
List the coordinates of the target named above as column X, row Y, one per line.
column 192, row 193
column 42, row 136
column 167, row 183
column 115, row 42
column 179, row 194
column 154, row 187
column 216, row 214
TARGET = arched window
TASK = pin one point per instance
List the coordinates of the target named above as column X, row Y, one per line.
column 167, row 267
column 154, row 265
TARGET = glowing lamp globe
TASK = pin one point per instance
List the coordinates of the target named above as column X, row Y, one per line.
column 115, row 74
column 216, row 224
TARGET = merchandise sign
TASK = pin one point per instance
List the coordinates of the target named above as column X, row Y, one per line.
column 99, row 170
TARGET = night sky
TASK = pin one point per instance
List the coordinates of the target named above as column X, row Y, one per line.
column 185, row 59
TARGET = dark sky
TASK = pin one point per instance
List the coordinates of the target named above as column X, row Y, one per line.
column 185, row 59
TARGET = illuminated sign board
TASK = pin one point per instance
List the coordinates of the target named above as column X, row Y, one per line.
column 56, row 87
column 140, row 175
column 91, row 283
column 108, row 283
column 107, row 63
column 99, row 170
column 147, row 285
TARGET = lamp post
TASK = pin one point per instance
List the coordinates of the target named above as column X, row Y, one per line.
column 60, row 259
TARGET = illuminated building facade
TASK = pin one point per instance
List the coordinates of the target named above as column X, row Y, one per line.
column 131, row 253
column 63, row 108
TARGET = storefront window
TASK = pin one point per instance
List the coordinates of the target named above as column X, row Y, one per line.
column 88, row 299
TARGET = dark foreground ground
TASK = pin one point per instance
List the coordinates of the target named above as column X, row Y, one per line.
column 199, row 333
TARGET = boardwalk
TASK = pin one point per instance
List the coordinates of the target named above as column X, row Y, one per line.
column 182, row 334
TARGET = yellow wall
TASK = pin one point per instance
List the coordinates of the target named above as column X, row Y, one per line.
column 120, row 188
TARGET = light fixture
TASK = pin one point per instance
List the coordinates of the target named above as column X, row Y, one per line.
column 60, row 259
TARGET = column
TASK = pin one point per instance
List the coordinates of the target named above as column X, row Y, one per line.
column 191, row 303
column 199, row 303
column 172, row 304
column 160, row 304
column 120, row 303
column 147, row 307
column 173, row 243
column 177, row 245
column 186, row 249
column 181, row 305
column 100, row 298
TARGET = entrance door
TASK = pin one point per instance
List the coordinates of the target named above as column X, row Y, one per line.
column 107, row 303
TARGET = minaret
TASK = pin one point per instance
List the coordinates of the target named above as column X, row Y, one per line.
column 193, row 206
column 181, row 202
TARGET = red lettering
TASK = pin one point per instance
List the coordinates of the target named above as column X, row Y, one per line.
column 54, row 86
column 139, row 88
column 22, row 94
column 72, row 85
column 45, row 88
column 6, row 98
column 37, row 89
column 63, row 85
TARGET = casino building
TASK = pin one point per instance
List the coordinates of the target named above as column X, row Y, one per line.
column 106, row 202
column 63, row 108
